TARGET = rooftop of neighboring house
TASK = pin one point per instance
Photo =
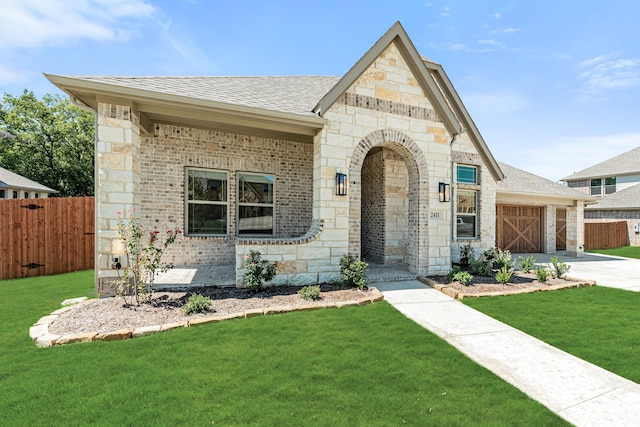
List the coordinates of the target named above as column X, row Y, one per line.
column 517, row 181
column 6, row 135
column 12, row 180
column 625, row 164
column 629, row 198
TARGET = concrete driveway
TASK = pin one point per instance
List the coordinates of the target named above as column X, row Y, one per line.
column 609, row 271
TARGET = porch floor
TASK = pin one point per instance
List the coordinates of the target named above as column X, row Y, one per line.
column 183, row 278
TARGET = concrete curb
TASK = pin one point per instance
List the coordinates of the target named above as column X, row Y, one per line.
column 39, row 332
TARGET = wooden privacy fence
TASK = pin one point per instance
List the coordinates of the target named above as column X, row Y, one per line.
column 605, row 235
column 39, row 237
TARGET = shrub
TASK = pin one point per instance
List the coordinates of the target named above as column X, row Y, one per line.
column 145, row 259
column 466, row 255
column 310, row 293
column 542, row 274
column 559, row 268
column 353, row 272
column 527, row 264
column 503, row 259
column 454, row 270
column 481, row 267
column 259, row 271
column 462, row 277
column 196, row 304
column 504, row 275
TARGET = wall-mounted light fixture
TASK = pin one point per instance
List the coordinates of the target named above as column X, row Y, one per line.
column 341, row 184
column 444, row 192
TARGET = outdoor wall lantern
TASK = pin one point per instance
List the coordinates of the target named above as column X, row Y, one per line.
column 341, row 184
column 444, row 192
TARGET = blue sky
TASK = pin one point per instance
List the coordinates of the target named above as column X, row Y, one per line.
column 553, row 86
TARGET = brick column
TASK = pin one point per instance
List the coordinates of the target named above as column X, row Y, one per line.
column 117, row 184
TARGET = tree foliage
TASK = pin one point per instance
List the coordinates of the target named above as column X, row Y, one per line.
column 53, row 142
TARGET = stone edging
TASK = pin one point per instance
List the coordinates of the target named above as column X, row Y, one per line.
column 40, row 334
column 457, row 294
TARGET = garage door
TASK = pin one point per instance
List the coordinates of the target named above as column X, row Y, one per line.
column 561, row 229
column 518, row 228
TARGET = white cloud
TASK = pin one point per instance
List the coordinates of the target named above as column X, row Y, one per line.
column 177, row 39
column 608, row 72
column 560, row 157
column 36, row 23
column 496, row 15
column 11, row 76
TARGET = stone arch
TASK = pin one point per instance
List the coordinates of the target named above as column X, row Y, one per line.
column 415, row 161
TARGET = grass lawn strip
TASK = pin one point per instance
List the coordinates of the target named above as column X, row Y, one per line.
column 624, row 251
column 365, row 365
column 600, row 325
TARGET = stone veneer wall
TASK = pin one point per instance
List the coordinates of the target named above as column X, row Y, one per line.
column 163, row 161
column 396, row 208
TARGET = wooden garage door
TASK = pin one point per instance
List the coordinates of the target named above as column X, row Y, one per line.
column 518, row 228
column 561, row 229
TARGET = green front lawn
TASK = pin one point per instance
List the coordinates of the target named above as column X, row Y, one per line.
column 624, row 251
column 597, row 324
column 350, row 366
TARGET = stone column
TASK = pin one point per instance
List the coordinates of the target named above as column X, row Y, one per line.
column 575, row 230
column 550, row 230
column 117, row 185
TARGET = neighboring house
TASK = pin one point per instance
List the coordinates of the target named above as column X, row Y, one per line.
column 14, row 186
column 5, row 135
column 616, row 184
column 383, row 163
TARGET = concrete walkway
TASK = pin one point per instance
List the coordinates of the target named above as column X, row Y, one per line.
column 579, row 392
column 609, row 271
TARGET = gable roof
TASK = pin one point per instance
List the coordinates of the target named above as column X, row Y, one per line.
column 629, row 198
column 519, row 182
column 433, row 81
column 12, row 180
column 623, row 164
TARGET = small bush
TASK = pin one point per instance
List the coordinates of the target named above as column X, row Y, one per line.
column 559, row 268
column 462, row 277
column 481, row 267
column 258, row 271
column 310, row 293
column 504, row 275
column 353, row 272
column 466, row 255
column 542, row 274
column 454, row 270
column 526, row 264
column 196, row 304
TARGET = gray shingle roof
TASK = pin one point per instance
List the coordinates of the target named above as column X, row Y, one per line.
column 629, row 198
column 519, row 181
column 289, row 94
column 9, row 179
column 624, row 164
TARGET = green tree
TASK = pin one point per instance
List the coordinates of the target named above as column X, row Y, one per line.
column 53, row 142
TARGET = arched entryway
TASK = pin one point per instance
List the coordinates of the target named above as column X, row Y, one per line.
column 388, row 201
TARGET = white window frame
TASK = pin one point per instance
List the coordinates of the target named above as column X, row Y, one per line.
column 240, row 204
column 472, row 187
column 188, row 202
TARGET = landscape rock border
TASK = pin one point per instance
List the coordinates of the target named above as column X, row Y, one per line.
column 458, row 294
column 40, row 334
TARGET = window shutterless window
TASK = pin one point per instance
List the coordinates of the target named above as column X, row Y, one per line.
column 467, row 174
column 610, row 185
column 466, row 218
column 15, row 194
column 207, row 202
column 255, row 204
column 596, row 186
column 3, row 194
